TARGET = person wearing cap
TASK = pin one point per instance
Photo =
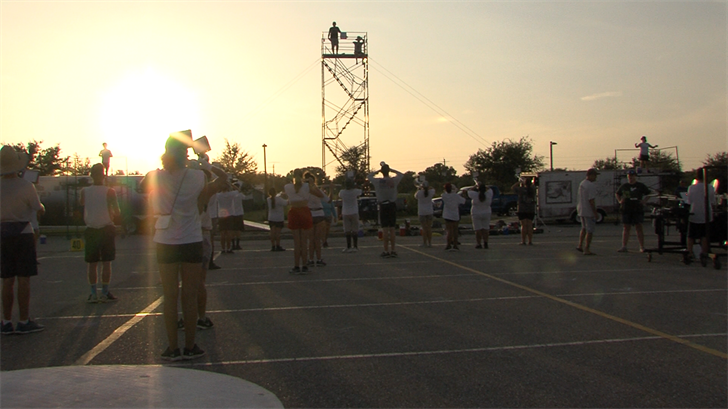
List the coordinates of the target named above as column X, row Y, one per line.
column 100, row 207
column 644, row 148
column 18, row 260
column 631, row 197
column 175, row 193
column 425, row 211
column 587, row 211
column 334, row 38
column 385, row 189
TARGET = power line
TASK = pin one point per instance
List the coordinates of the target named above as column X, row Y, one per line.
column 280, row 91
column 427, row 102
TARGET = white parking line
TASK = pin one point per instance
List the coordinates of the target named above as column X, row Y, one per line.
column 390, row 304
column 443, row 352
column 90, row 355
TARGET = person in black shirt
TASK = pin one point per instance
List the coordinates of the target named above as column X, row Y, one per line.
column 631, row 197
column 334, row 37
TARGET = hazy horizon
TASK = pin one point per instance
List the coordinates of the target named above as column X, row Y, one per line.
column 591, row 76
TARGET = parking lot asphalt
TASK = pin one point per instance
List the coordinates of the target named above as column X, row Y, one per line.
column 509, row 326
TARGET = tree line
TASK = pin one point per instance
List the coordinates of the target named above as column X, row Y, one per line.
column 497, row 164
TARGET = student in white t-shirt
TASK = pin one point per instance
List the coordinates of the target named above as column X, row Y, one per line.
column 350, row 215
column 174, row 192
column 451, row 201
column 481, row 197
column 587, row 210
column 276, row 217
column 425, row 212
column 100, row 207
column 697, row 221
column 18, row 261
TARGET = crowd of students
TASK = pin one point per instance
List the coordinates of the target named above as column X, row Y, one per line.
column 190, row 199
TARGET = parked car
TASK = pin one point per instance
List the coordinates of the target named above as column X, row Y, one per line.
column 502, row 205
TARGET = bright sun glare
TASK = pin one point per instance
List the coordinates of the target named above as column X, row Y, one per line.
column 140, row 112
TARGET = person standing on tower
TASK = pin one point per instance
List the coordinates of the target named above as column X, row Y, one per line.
column 106, row 158
column 334, row 38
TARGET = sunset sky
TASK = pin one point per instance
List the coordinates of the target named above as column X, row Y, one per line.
column 591, row 76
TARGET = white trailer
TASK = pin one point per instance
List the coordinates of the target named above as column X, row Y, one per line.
column 558, row 190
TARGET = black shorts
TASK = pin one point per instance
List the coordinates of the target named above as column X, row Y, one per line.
column 227, row 223
column 100, row 244
column 388, row 214
column 645, row 158
column 633, row 218
column 17, row 256
column 526, row 215
column 179, row 253
column 696, row 230
column 275, row 224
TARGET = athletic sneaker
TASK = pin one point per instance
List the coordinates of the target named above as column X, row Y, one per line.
column 479, row 246
column 320, row 262
column 448, row 247
column 346, row 250
column 354, row 249
column 622, row 250
column 279, row 248
column 181, row 324
column 108, row 297
column 213, row 266
column 7, row 329
column 485, row 245
column 273, row 248
column 193, row 353
column 171, row 355
column 311, row 263
column 393, row 254
column 92, row 299
column 204, row 324
column 304, row 270
column 295, row 270
column 384, row 254
column 30, row 326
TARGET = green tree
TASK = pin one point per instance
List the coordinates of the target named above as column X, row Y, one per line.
column 236, row 162
column 354, row 159
column 439, row 174
column 48, row 162
column 719, row 159
column 499, row 162
column 407, row 184
column 608, row 164
column 78, row 166
column 665, row 162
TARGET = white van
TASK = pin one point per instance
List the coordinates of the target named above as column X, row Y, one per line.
column 558, row 190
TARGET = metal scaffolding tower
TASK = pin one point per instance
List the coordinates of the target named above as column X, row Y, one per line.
column 345, row 97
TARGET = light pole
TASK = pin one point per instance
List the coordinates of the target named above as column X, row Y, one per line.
column 265, row 171
column 551, row 153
